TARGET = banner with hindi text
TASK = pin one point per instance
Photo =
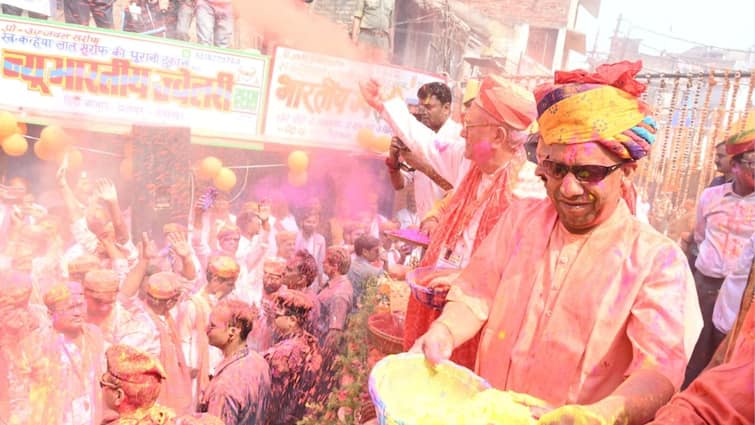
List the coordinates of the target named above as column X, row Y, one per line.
column 100, row 76
column 314, row 99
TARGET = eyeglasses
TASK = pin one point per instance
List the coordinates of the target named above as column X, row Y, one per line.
column 747, row 163
column 583, row 173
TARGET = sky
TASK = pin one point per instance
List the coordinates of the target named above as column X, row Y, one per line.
column 722, row 23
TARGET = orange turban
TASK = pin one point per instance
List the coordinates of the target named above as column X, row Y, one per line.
column 61, row 292
column 507, row 102
column 131, row 365
column 223, row 266
column 102, row 281
column 163, row 285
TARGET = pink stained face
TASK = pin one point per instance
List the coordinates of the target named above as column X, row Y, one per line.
column 581, row 205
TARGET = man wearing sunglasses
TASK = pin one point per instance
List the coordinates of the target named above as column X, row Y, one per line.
column 725, row 223
column 580, row 304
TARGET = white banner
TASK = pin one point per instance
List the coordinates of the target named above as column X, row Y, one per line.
column 315, row 100
column 102, row 76
column 44, row 7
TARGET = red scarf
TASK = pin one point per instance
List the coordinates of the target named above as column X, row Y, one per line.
column 461, row 209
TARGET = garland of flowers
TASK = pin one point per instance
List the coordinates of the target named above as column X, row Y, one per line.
column 349, row 404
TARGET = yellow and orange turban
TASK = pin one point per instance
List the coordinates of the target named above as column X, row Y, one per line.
column 223, row 266
column 61, row 292
column 102, row 281
column 163, row 285
column 134, row 366
column 507, row 102
column 602, row 107
column 741, row 136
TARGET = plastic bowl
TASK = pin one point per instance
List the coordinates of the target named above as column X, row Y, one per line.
column 402, row 385
column 428, row 296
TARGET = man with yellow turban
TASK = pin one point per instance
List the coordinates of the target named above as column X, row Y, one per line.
column 579, row 303
column 131, row 386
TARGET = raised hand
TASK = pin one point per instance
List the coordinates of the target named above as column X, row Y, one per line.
column 371, row 93
column 105, row 190
column 179, row 244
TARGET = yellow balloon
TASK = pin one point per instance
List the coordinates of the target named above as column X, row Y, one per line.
column 8, row 124
column 127, row 169
column 55, row 138
column 298, row 161
column 75, row 159
column 365, row 137
column 297, row 179
column 15, row 145
column 382, row 143
column 225, row 180
column 209, row 168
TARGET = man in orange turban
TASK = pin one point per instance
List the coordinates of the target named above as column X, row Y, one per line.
column 578, row 303
column 494, row 131
column 131, row 386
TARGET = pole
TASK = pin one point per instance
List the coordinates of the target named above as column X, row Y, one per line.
column 615, row 38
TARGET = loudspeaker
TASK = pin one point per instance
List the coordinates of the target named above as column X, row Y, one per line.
column 161, row 179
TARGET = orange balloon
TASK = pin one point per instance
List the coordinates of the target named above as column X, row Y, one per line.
column 225, row 180
column 43, row 151
column 55, row 138
column 365, row 137
column 209, row 168
column 8, row 124
column 297, row 179
column 21, row 128
column 298, row 161
column 15, row 145
column 382, row 143
column 75, row 159
column 127, row 169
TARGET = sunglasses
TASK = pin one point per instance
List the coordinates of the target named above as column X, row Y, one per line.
column 583, row 173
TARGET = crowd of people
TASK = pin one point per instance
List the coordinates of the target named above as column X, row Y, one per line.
column 550, row 283
column 210, row 22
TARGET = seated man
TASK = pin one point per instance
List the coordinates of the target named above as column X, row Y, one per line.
column 608, row 343
column 130, row 388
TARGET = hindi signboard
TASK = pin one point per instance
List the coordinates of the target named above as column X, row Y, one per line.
column 314, row 99
column 101, row 76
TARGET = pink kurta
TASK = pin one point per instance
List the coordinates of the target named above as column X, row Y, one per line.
column 570, row 316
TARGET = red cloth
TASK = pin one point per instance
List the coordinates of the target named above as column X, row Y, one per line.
column 620, row 75
column 721, row 395
column 452, row 223
column 508, row 102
